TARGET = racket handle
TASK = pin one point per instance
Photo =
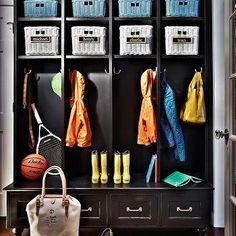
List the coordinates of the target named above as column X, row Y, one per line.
column 36, row 114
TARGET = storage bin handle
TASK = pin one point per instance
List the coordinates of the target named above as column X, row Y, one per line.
column 183, row 3
column 135, row 4
column 88, row 3
column 88, row 32
column 135, row 33
column 182, row 32
column 39, row 5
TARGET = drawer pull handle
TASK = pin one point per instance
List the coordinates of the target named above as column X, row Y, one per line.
column 90, row 209
column 190, row 209
column 128, row 209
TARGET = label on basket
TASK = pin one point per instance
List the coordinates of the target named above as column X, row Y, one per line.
column 89, row 39
column 182, row 40
column 40, row 39
column 134, row 40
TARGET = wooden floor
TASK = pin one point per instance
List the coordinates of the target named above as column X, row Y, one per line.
column 214, row 232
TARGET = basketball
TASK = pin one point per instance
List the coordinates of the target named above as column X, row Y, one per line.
column 33, row 166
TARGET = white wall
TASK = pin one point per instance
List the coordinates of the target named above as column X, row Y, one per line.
column 6, row 101
column 219, row 112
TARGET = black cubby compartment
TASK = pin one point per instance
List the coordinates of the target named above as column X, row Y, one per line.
column 116, row 34
column 179, row 75
column 201, row 49
column 69, row 9
column 201, row 9
column 21, row 34
column 127, row 100
column 49, row 105
column 20, row 8
column 68, row 37
column 97, row 101
column 115, row 9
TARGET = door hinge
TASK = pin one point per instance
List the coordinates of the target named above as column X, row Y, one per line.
column 222, row 134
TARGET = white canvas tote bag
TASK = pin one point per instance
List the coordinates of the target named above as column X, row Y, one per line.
column 54, row 215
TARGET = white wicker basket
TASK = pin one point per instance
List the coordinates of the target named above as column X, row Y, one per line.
column 136, row 39
column 88, row 40
column 41, row 40
column 182, row 40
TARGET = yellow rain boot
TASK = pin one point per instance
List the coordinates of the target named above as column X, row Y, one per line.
column 126, row 165
column 95, row 170
column 104, row 176
column 117, row 174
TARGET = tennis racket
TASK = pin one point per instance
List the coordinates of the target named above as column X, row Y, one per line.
column 49, row 145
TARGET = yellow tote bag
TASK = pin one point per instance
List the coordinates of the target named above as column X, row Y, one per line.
column 194, row 110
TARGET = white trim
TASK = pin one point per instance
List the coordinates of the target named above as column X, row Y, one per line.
column 218, row 110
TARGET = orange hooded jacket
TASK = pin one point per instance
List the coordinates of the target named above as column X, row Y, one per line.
column 79, row 132
column 147, row 127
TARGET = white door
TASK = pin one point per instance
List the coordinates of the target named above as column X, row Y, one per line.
column 6, row 102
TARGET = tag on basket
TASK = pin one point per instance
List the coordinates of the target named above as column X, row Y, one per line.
column 179, row 179
column 136, row 40
column 182, row 40
column 89, row 39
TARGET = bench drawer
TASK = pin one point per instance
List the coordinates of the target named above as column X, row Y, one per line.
column 133, row 210
column 184, row 208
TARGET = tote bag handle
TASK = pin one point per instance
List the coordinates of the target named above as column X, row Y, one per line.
column 63, row 180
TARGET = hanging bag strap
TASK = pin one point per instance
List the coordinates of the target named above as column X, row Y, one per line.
column 27, row 100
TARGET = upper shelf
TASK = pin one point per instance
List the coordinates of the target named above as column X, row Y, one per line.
column 87, row 18
column 87, row 56
column 135, row 18
column 182, row 56
column 135, row 56
column 27, row 19
column 165, row 18
column 24, row 57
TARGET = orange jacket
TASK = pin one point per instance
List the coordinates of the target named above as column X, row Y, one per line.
column 79, row 132
column 147, row 127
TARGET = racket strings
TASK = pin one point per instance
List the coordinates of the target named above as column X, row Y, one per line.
column 51, row 148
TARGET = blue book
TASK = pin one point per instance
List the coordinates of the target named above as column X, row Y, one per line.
column 150, row 168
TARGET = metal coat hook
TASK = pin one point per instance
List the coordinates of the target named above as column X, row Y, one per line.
column 29, row 72
column 200, row 70
column 116, row 72
column 165, row 70
column 106, row 71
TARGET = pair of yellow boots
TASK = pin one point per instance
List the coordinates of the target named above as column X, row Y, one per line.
column 117, row 164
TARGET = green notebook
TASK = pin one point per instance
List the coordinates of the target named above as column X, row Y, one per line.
column 179, row 179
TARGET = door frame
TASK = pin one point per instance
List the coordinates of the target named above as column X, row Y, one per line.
column 229, row 78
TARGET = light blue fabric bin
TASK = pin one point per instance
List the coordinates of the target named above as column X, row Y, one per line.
column 135, row 8
column 89, row 8
column 40, row 8
column 184, row 8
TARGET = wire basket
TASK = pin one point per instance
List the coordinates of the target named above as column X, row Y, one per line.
column 184, row 8
column 88, row 40
column 182, row 40
column 40, row 8
column 136, row 39
column 89, row 8
column 135, row 8
column 41, row 40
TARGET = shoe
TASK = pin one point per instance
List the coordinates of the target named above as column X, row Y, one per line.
column 104, row 176
column 126, row 166
column 117, row 174
column 95, row 170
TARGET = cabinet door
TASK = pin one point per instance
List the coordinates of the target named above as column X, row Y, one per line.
column 6, row 101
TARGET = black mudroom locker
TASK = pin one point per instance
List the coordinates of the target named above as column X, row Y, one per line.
column 113, row 100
